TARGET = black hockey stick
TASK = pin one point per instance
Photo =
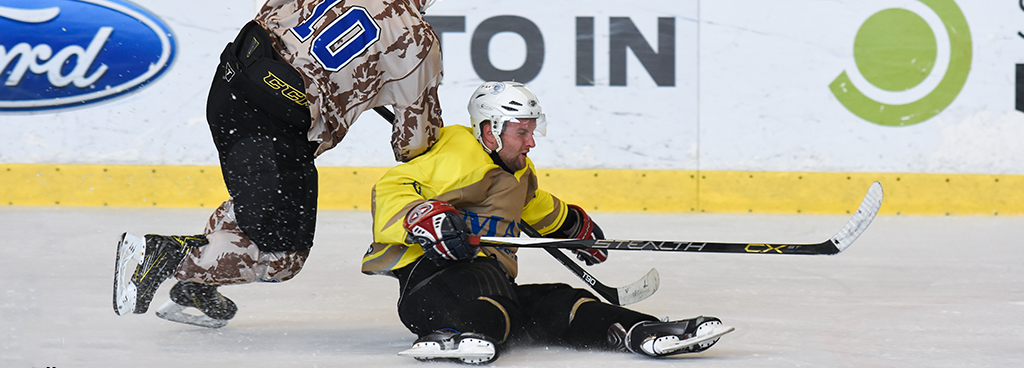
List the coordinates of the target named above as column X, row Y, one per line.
column 385, row 113
column 834, row 245
column 629, row 294
column 626, row 295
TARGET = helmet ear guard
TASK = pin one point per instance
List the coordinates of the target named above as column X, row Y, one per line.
column 501, row 102
column 497, row 126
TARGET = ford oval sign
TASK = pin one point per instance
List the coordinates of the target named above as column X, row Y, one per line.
column 63, row 53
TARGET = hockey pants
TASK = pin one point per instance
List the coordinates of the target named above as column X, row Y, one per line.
column 479, row 297
column 232, row 258
column 259, row 126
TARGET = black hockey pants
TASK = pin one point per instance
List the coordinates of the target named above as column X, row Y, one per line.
column 479, row 297
column 259, row 118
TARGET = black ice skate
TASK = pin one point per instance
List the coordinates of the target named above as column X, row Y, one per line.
column 465, row 347
column 216, row 308
column 155, row 258
column 676, row 337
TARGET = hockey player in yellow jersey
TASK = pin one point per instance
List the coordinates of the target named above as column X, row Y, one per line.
column 285, row 91
column 462, row 300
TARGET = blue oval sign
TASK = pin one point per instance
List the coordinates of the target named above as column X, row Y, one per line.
column 63, row 53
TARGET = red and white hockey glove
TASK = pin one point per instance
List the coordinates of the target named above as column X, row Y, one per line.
column 585, row 228
column 437, row 227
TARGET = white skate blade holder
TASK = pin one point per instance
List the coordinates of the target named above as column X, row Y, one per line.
column 130, row 252
column 669, row 344
column 175, row 312
column 470, row 350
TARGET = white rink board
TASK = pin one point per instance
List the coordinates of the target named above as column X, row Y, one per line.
column 765, row 102
column 750, row 92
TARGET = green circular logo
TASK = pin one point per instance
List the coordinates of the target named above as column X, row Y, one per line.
column 895, row 49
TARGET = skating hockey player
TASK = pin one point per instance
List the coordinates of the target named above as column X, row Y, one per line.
column 461, row 299
column 285, row 92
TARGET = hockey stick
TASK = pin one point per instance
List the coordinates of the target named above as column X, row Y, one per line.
column 834, row 245
column 629, row 294
column 385, row 113
column 626, row 295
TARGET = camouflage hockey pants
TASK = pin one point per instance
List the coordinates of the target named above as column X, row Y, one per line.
column 232, row 258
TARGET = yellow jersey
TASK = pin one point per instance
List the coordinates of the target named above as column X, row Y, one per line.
column 457, row 170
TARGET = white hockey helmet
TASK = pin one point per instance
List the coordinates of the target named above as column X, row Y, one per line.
column 501, row 102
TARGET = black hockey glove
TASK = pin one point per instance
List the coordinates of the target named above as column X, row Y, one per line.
column 437, row 227
column 585, row 228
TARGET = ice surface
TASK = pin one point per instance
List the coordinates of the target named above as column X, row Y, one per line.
column 912, row 292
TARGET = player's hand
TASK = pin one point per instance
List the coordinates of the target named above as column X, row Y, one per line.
column 437, row 227
column 586, row 228
column 591, row 256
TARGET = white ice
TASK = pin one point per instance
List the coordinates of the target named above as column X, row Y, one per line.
column 911, row 292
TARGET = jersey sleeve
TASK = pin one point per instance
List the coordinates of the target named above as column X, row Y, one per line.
column 392, row 197
column 416, row 126
column 401, row 189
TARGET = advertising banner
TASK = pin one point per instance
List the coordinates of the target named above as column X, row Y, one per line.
column 688, row 91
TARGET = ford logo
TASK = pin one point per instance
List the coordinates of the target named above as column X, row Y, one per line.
column 63, row 53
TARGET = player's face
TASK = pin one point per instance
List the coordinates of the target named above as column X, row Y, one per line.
column 516, row 141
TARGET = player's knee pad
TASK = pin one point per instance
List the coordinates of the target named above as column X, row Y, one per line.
column 275, row 201
column 554, row 294
column 505, row 315
column 551, row 308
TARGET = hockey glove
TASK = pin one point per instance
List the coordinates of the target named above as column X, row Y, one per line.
column 437, row 227
column 585, row 228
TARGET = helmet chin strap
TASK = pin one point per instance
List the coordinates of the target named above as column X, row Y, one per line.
column 498, row 161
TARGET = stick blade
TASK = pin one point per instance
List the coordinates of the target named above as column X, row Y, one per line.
column 859, row 222
column 640, row 289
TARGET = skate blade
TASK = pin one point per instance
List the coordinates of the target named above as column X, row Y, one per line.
column 130, row 251
column 713, row 334
column 175, row 312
